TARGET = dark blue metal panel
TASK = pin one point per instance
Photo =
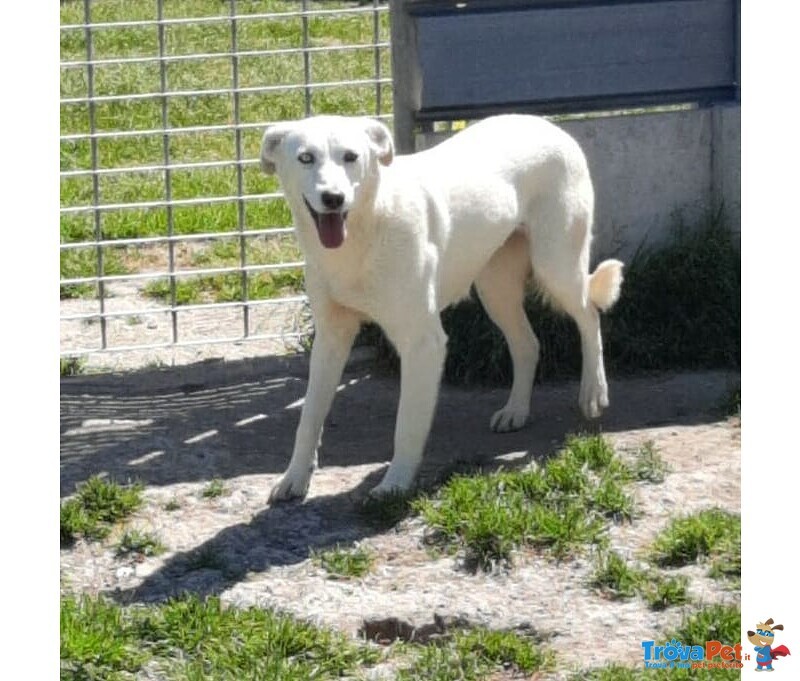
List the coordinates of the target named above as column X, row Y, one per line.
column 572, row 54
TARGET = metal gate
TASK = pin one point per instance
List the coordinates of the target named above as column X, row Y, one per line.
column 170, row 235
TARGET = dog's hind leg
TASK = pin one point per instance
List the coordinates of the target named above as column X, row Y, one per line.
column 501, row 287
column 560, row 238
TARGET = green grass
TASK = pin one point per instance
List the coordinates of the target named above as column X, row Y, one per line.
column 618, row 580
column 661, row 591
column 345, row 563
column 172, row 505
column 679, row 309
column 648, row 465
column 193, row 639
column 560, row 507
column 96, row 506
column 712, row 623
column 257, row 108
column 72, row 366
column 614, row 577
column 139, row 543
column 712, row 533
column 229, row 287
column 475, row 654
column 214, row 489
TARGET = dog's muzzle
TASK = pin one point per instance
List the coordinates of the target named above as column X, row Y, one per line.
column 331, row 225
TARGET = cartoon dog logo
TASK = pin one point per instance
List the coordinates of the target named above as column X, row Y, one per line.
column 762, row 638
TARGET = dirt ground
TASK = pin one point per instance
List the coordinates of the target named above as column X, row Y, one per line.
column 176, row 429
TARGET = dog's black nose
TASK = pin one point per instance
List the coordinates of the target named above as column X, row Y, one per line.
column 332, row 200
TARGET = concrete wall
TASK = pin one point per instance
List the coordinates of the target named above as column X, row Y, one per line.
column 652, row 169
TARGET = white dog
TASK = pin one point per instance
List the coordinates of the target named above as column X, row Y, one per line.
column 396, row 240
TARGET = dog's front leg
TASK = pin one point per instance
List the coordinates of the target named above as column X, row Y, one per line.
column 335, row 330
column 421, row 361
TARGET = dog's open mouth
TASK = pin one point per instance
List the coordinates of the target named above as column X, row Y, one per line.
column 331, row 226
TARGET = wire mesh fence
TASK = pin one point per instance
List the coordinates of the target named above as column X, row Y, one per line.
column 170, row 235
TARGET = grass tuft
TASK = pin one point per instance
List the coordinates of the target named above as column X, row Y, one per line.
column 139, row 543
column 661, row 592
column 614, row 577
column 345, row 563
column 617, row 580
column 560, row 507
column 96, row 506
column 697, row 536
column 189, row 638
column 476, row 654
column 72, row 366
column 648, row 465
column 215, row 488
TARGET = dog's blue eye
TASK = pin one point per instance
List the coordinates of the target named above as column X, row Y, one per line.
column 306, row 158
column 350, row 156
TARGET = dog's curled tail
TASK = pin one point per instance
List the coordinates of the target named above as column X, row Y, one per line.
column 604, row 284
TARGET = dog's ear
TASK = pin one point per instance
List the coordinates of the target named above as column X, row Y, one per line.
column 381, row 140
column 270, row 143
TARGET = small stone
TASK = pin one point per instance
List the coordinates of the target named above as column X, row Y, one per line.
column 125, row 572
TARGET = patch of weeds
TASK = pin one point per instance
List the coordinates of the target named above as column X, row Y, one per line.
column 648, row 465
column 726, row 563
column 712, row 623
column 98, row 640
column 228, row 287
column 661, row 592
column 560, row 507
column 137, row 542
column 76, row 522
column 610, row 498
column 72, row 366
column 592, row 450
column 189, row 638
column 474, row 654
column 173, row 504
column 215, row 488
column 614, row 577
column 97, row 505
column 345, row 563
column 697, row 536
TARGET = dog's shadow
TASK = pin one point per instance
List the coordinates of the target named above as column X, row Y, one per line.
column 225, row 420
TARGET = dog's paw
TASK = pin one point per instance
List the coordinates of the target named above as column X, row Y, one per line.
column 593, row 400
column 508, row 418
column 289, row 487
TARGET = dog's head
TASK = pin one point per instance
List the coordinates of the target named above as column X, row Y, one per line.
column 325, row 165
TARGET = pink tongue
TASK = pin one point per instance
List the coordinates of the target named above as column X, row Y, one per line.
column 331, row 229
